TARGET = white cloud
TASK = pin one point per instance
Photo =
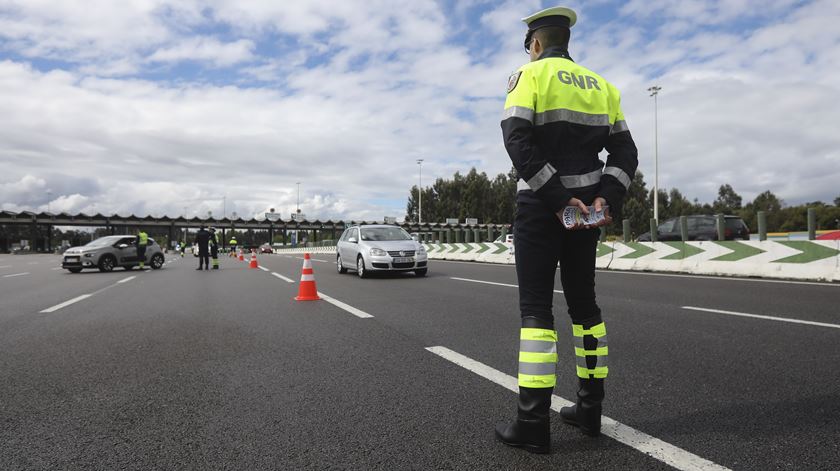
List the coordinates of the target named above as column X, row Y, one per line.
column 205, row 49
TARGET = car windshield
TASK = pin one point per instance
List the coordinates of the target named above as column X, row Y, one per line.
column 102, row 241
column 384, row 233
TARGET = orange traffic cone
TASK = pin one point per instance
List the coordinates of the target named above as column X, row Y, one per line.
column 241, row 256
column 307, row 291
column 253, row 263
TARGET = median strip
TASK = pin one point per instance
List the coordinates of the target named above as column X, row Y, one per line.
column 651, row 446
column 759, row 316
column 66, row 303
column 493, row 283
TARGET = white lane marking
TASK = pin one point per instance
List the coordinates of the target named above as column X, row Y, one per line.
column 758, row 316
column 492, row 283
column 651, row 446
column 56, row 268
column 5, row 266
column 33, row 263
column 263, row 268
column 66, row 303
column 125, row 280
column 16, row 274
column 720, row 278
column 287, row 280
column 346, row 307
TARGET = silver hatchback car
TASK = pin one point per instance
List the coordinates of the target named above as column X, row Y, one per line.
column 108, row 252
column 370, row 248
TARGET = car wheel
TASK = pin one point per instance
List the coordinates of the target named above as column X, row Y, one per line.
column 421, row 272
column 74, row 270
column 339, row 265
column 157, row 261
column 360, row 267
column 106, row 263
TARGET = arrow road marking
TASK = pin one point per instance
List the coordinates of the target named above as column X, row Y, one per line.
column 651, row 446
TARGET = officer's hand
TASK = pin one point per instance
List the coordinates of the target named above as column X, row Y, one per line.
column 578, row 203
column 598, row 204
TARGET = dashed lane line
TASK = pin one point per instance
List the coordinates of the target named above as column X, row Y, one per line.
column 66, row 303
column 314, row 259
column 125, row 280
column 759, row 316
column 5, row 266
column 16, row 274
column 346, row 307
column 651, row 446
column 263, row 268
column 492, row 283
column 56, row 268
column 287, row 280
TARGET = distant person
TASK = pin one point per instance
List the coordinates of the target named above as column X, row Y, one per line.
column 202, row 242
column 558, row 117
column 141, row 241
column 183, row 248
column 214, row 247
column 233, row 244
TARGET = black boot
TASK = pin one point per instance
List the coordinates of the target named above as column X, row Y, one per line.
column 586, row 413
column 530, row 430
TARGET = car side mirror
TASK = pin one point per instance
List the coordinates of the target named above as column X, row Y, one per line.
column 122, row 246
column 353, row 240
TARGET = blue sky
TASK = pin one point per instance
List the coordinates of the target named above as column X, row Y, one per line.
column 166, row 105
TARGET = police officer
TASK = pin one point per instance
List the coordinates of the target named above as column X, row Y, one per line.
column 214, row 247
column 202, row 240
column 558, row 116
column 232, row 244
column 141, row 242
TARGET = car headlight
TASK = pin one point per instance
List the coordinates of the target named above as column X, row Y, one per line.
column 88, row 255
column 421, row 249
column 378, row 252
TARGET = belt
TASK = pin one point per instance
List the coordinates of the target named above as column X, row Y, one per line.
column 570, row 181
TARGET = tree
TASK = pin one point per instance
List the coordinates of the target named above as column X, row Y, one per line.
column 727, row 202
column 837, row 201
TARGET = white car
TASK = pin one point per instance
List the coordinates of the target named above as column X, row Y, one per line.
column 371, row 248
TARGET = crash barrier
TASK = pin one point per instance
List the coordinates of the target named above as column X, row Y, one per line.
column 299, row 250
column 794, row 259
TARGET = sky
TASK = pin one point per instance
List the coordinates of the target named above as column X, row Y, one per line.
column 189, row 107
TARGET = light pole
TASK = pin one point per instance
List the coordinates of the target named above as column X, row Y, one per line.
column 298, row 198
column 224, row 206
column 49, row 201
column 420, row 194
column 654, row 92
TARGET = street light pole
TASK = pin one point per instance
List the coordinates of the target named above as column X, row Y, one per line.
column 420, row 194
column 654, row 92
column 298, row 197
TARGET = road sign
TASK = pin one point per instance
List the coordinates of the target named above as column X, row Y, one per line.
column 390, row 220
column 452, row 220
column 273, row 217
column 472, row 221
column 298, row 217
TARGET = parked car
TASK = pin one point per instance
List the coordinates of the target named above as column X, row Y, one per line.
column 700, row 227
column 106, row 253
column 370, row 248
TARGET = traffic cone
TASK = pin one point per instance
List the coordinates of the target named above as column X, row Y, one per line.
column 253, row 263
column 241, row 256
column 307, row 291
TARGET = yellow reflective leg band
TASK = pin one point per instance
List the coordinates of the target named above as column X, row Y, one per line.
column 598, row 333
column 537, row 358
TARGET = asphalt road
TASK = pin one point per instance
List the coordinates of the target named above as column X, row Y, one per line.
column 180, row 369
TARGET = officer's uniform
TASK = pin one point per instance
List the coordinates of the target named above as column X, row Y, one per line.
column 202, row 239
column 214, row 247
column 141, row 241
column 558, row 116
column 232, row 244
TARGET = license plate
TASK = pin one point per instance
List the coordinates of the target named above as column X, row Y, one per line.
column 403, row 260
column 71, row 259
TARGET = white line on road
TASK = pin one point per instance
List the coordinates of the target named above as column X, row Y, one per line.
column 5, row 266
column 314, row 259
column 493, row 283
column 263, row 268
column 66, row 303
column 651, row 446
column 124, row 280
column 33, row 263
column 16, row 274
column 56, row 268
column 719, row 278
column 758, row 316
column 346, row 307
column 287, row 280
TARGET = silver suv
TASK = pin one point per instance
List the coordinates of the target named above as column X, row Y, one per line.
column 372, row 248
column 105, row 253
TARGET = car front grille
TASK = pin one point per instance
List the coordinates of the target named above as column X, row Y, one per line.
column 403, row 265
column 396, row 253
